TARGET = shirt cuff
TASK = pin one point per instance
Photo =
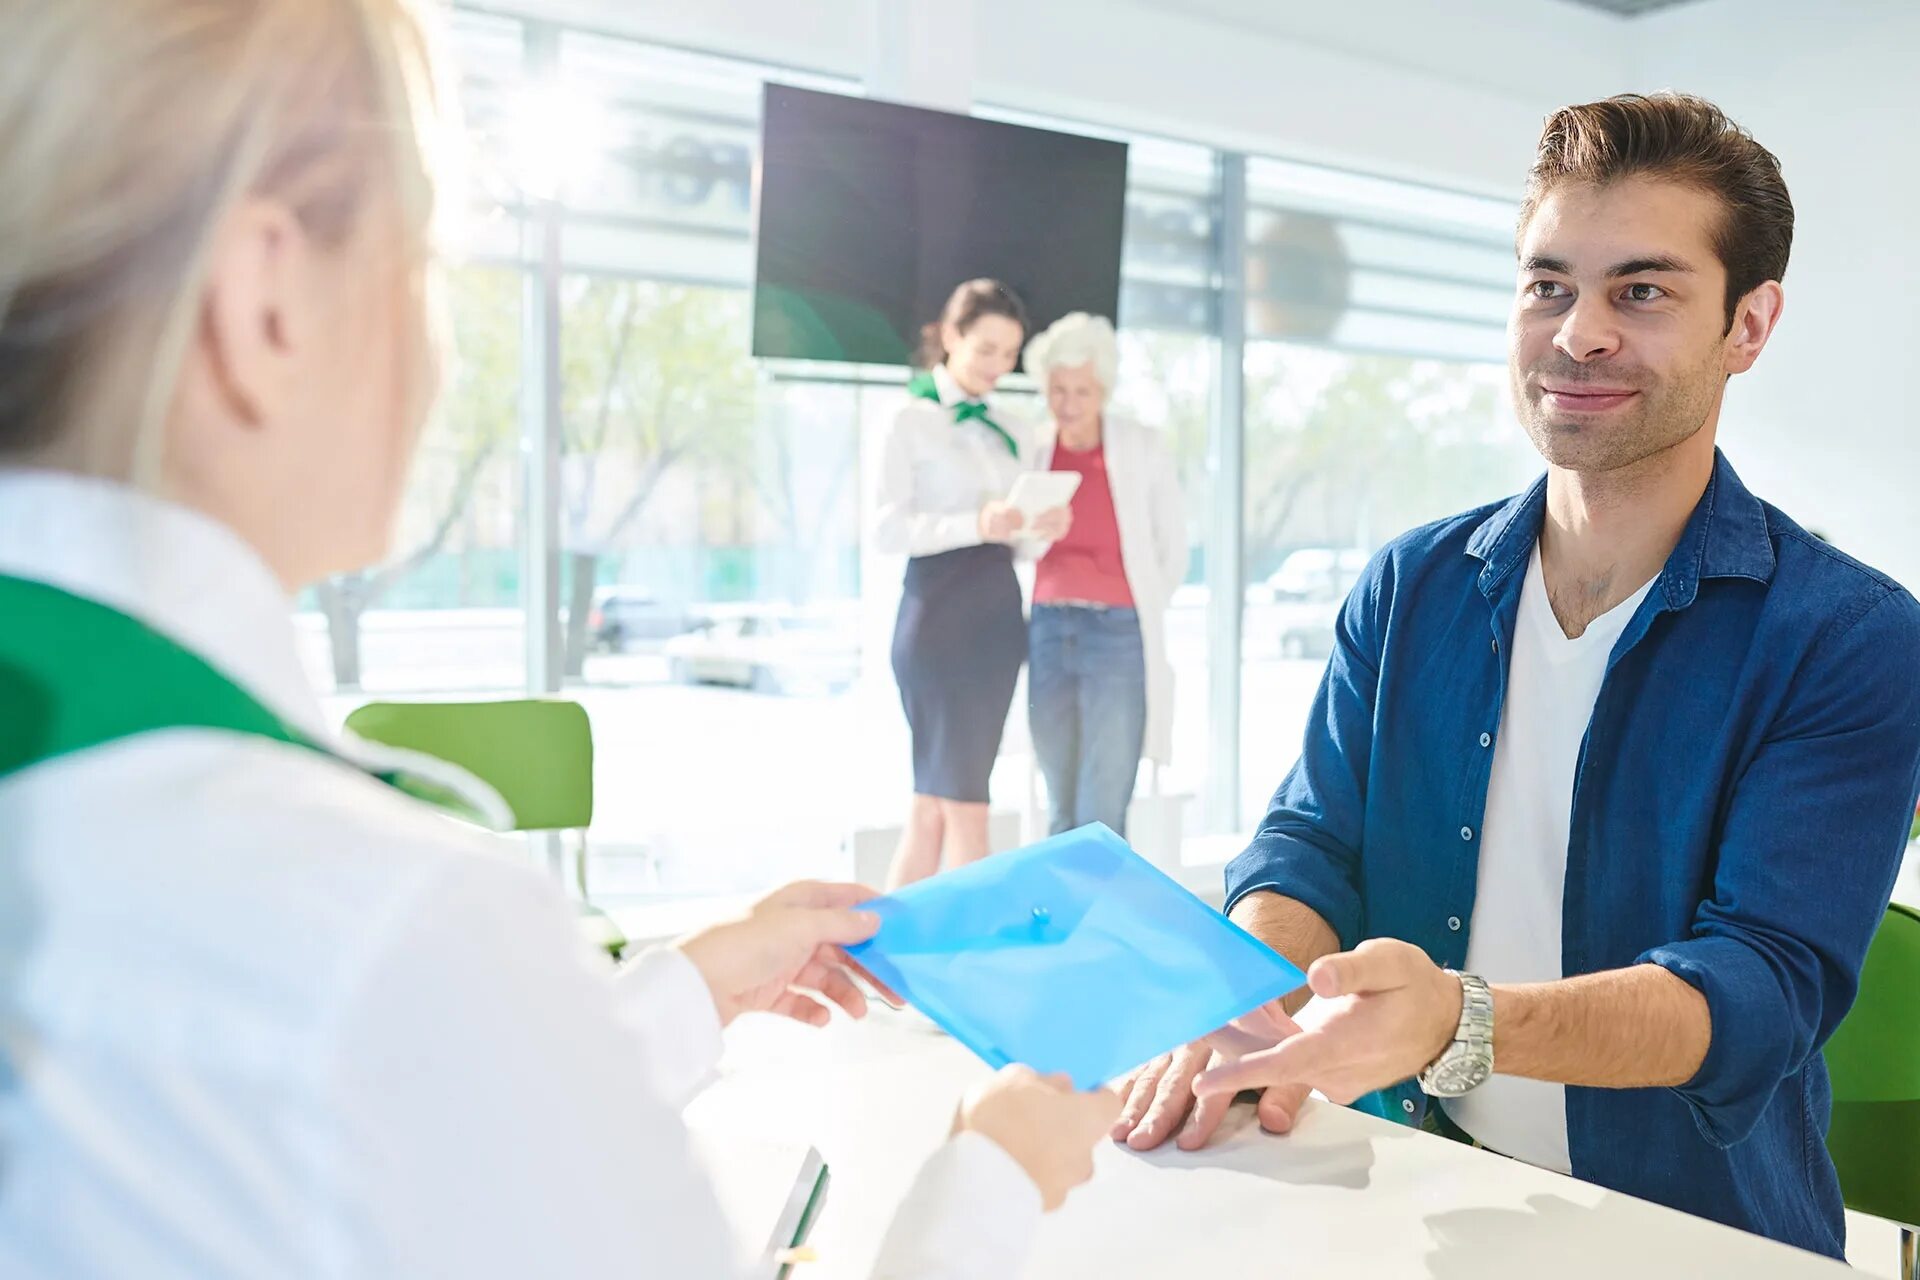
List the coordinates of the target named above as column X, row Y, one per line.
column 663, row 997
column 1748, row 1047
column 938, row 534
column 1276, row 863
column 972, row 1212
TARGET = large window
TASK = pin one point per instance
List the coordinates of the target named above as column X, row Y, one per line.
column 1168, row 367
column 618, row 505
column 710, row 508
column 444, row 615
column 1375, row 401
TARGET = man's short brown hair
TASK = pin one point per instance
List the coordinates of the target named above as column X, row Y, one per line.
column 1684, row 139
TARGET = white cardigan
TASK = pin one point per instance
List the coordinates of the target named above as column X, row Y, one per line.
column 1152, row 515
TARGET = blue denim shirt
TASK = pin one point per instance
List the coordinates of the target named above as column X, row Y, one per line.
column 1739, row 809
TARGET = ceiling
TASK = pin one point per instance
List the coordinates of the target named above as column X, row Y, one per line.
column 1628, row 8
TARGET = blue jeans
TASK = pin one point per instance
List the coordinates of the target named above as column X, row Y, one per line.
column 1087, row 705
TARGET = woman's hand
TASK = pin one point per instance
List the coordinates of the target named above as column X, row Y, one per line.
column 1048, row 1128
column 1053, row 525
column 999, row 521
column 784, row 951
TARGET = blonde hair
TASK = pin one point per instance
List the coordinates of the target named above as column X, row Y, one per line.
column 132, row 129
column 1071, row 341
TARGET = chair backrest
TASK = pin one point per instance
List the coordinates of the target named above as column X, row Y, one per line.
column 1874, row 1061
column 1874, row 1056
column 537, row 753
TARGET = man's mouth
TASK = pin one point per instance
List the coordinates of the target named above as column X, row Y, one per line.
column 1586, row 399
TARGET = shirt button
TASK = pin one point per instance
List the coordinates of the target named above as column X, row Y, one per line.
column 1453, row 923
column 1406, row 1105
column 1486, row 739
column 1496, row 646
column 1466, row 833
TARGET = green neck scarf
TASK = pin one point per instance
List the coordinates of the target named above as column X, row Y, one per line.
column 75, row 674
column 924, row 387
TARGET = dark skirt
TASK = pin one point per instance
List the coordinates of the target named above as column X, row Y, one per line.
column 957, row 649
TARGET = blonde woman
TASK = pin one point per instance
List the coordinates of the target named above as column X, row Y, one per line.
column 1099, row 686
column 261, row 1013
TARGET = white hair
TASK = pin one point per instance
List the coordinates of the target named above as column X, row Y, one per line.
column 1074, row 340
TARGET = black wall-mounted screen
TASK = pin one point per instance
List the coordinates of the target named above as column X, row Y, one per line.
column 871, row 212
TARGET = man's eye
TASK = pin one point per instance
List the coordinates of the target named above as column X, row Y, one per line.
column 1546, row 290
column 1645, row 292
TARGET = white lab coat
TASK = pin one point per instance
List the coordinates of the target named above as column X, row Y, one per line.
column 261, row 1015
column 1151, row 512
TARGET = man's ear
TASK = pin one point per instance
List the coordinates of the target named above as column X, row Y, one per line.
column 1753, row 323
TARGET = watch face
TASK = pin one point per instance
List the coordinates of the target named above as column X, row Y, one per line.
column 1460, row 1072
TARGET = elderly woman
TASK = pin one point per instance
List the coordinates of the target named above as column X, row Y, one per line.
column 1100, row 689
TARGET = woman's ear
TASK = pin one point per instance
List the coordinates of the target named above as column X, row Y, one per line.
column 252, row 318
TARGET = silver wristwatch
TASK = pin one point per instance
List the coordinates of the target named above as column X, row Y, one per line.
column 1465, row 1064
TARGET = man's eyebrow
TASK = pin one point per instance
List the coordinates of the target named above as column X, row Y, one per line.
column 1631, row 267
column 1646, row 266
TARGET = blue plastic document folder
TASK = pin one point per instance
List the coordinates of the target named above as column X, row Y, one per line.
column 1072, row 955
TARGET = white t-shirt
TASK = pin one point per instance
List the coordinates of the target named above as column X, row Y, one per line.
column 1552, row 684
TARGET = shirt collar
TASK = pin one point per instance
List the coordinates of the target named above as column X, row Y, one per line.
column 1727, row 536
column 183, row 574
column 949, row 389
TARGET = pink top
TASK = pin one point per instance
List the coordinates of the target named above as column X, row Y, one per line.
column 1085, row 566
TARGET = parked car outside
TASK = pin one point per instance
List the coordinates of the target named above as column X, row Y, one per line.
column 628, row 618
column 769, row 649
column 1306, row 593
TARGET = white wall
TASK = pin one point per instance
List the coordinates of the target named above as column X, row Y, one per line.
column 835, row 36
column 1159, row 68
column 1388, row 86
column 1514, row 49
column 1827, row 426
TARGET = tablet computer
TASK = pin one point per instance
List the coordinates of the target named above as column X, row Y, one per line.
column 1037, row 492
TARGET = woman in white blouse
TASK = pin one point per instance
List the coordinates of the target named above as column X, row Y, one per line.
column 261, row 1013
column 946, row 468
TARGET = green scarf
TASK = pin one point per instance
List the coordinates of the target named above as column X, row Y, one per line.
column 924, row 387
column 75, row 674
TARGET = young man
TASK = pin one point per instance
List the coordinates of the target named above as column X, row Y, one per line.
column 1633, row 748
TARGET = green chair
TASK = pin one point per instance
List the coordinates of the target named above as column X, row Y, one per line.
column 1874, row 1059
column 537, row 753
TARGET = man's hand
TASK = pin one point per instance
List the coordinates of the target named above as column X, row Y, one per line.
column 1161, row 1100
column 1380, row 1014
